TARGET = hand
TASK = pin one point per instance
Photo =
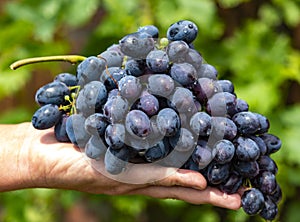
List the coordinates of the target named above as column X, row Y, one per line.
column 50, row 164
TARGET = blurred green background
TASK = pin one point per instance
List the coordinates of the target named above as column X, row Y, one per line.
column 255, row 44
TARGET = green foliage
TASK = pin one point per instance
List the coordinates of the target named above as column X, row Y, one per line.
column 258, row 56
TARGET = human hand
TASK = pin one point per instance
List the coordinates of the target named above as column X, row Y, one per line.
column 50, row 164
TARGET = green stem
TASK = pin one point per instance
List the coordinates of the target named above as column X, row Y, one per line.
column 73, row 59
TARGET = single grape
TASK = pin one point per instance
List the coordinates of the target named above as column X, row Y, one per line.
column 66, row 78
column 221, row 104
column 130, row 87
column 161, row 85
column 150, row 29
column 247, row 169
column 137, row 45
column 200, row 123
column 270, row 209
column 207, row 71
column 246, row 149
column 91, row 98
column 194, row 58
column 202, row 155
column 157, row 61
column 183, row 101
column 137, row 123
column 115, row 161
column 277, row 194
column 168, row 121
column 183, row 140
column 272, row 142
column 96, row 124
column 75, row 130
column 115, row 136
column 183, row 73
column 52, row 93
column 225, row 86
column 266, row 163
column 89, row 70
column 95, row 147
column 223, row 151
column 241, row 106
column 46, row 117
column 177, row 51
column 246, row 122
column 264, row 123
column 266, row 182
column 135, row 67
column 112, row 58
column 217, row 173
column 182, row 30
column 115, row 109
column 253, row 201
column 60, row 131
column 148, row 104
column 222, row 128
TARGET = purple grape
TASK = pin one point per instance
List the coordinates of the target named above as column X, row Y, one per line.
column 137, row 123
column 46, row 117
column 130, row 87
column 270, row 209
column 200, row 123
column 96, row 124
column 183, row 73
column 168, row 121
column 272, row 142
column 182, row 30
column 148, row 104
column 223, row 151
column 157, row 61
column 246, row 122
column 52, row 93
column 115, row 136
column 60, row 131
column 66, row 78
column 253, row 201
column 246, row 149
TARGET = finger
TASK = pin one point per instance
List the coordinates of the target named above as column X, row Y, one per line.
column 208, row 196
column 185, row 178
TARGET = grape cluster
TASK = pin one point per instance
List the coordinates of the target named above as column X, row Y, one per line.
column 151, row 100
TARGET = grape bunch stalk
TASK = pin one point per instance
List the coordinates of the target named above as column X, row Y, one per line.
column 151, row 100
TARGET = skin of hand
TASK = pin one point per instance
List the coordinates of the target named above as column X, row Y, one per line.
column 33, row 158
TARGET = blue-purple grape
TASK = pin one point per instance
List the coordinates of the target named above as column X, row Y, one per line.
column 115, row 135
column 66, row 78
column 253, row 201
column 182, row 30
column 223, row 151
column 46, row 117
column 60, row 130
column 157, row 61
column 183, row 73
column 52, row 93
column 168, row 122
column 137, row 123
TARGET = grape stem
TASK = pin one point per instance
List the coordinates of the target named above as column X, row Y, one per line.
column 73, row 59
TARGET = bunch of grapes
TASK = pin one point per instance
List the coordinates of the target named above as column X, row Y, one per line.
column 155, row 100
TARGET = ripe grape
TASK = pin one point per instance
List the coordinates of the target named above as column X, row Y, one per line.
column 253, row 201
column 52, row 93
column 46, row 117
column 182, row 30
